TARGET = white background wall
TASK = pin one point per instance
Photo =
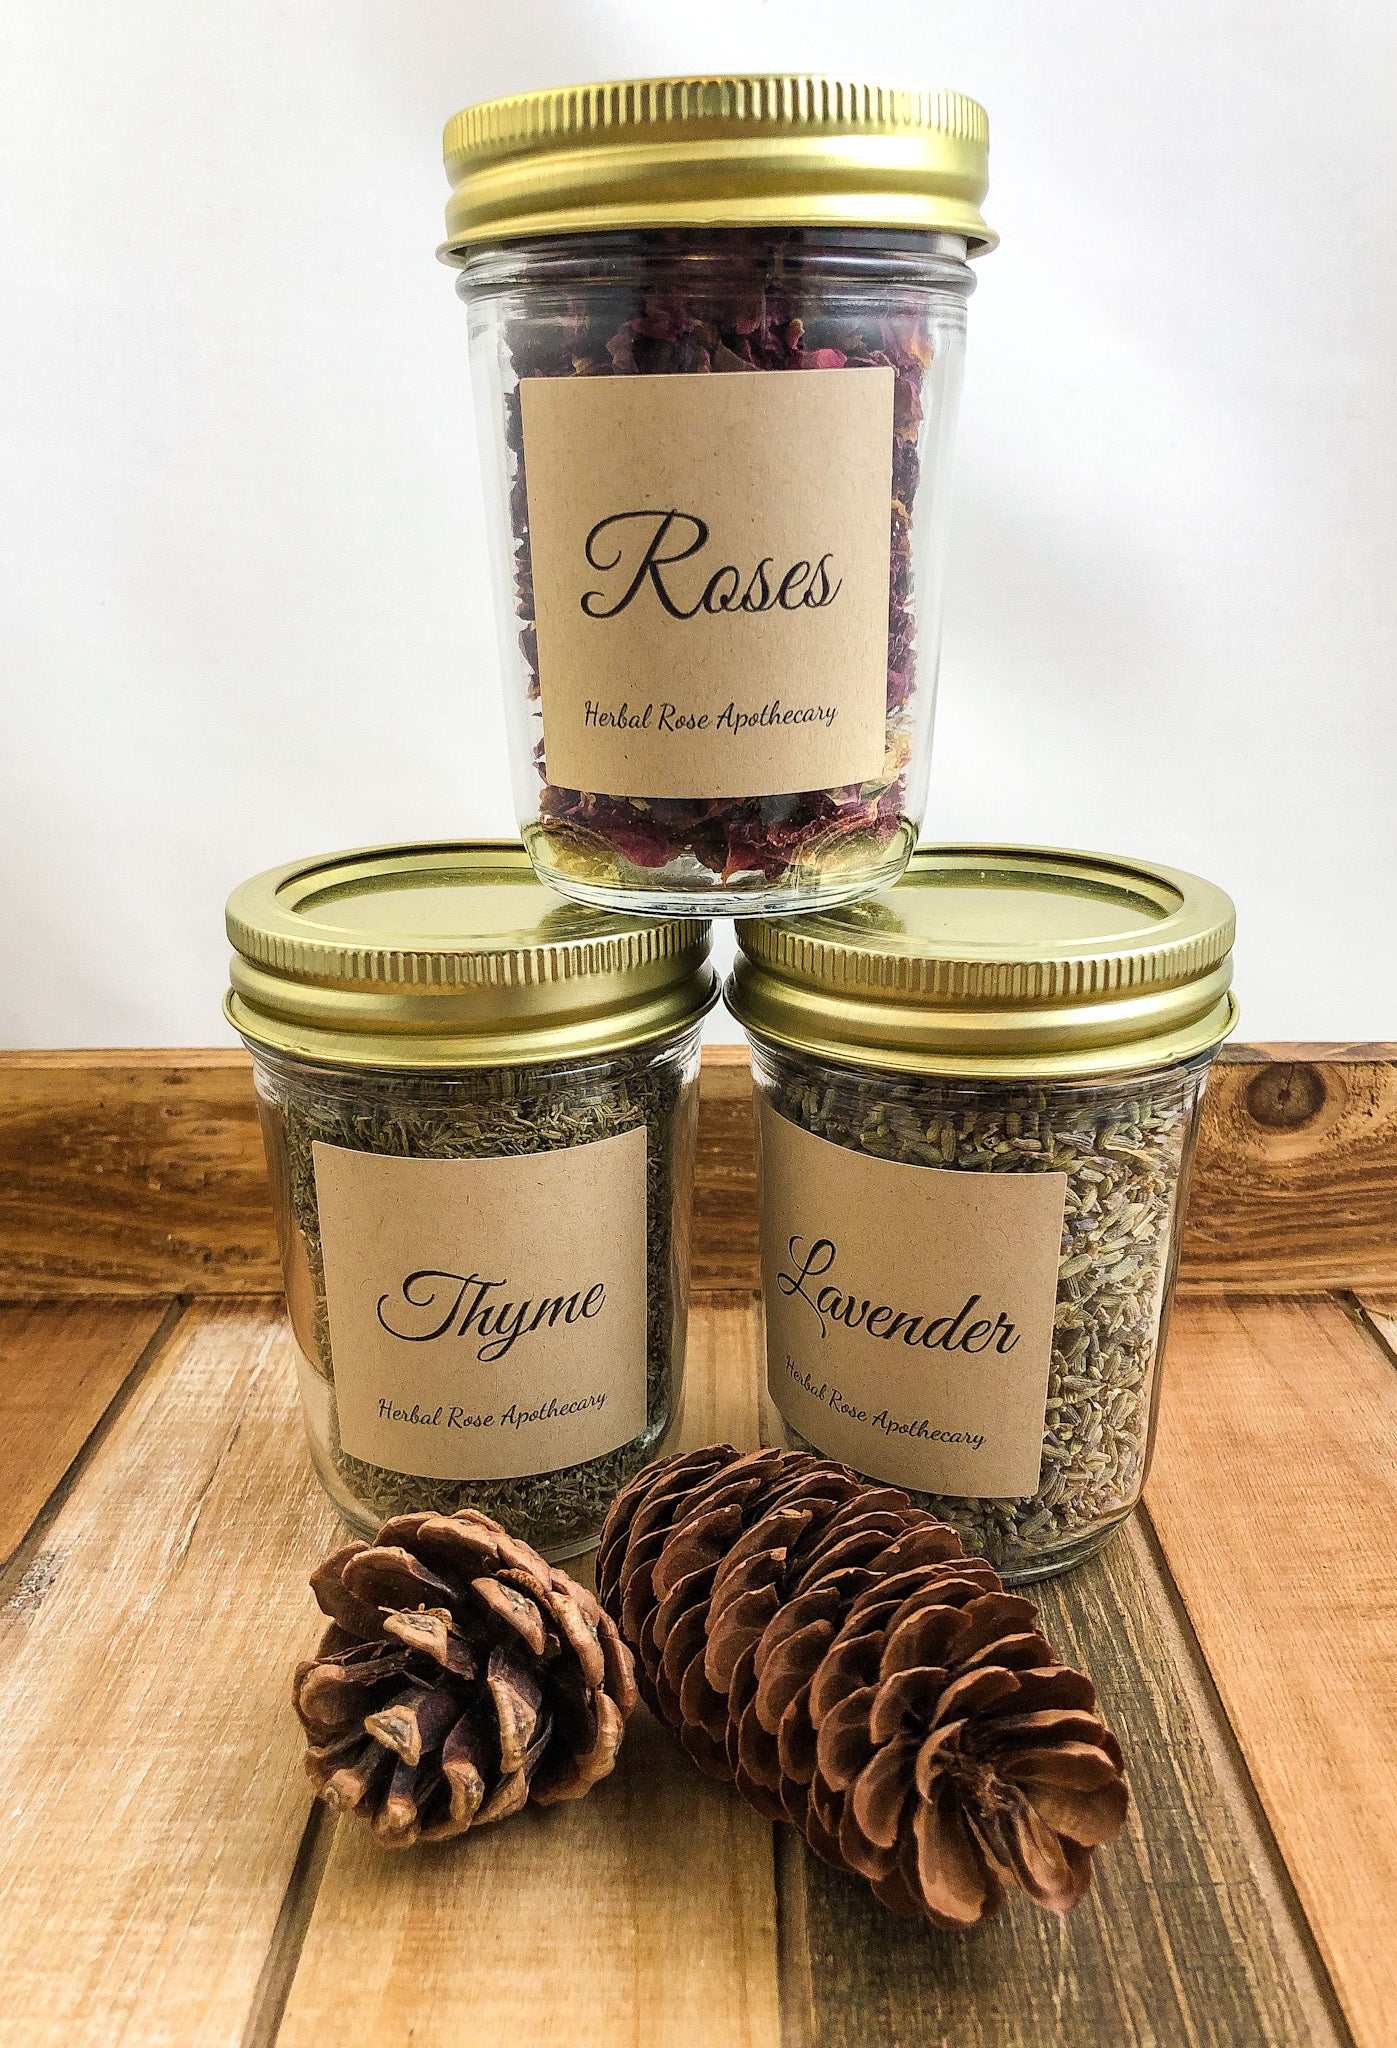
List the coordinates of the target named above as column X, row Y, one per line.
column 243, row 607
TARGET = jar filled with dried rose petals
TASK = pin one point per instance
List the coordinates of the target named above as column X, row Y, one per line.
column 719, row 589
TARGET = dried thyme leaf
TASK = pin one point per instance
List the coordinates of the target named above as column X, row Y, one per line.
column 1123, row 1146
column 490, row 1114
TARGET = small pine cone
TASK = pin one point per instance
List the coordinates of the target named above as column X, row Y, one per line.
column 460, row 1677
column 830, row 1649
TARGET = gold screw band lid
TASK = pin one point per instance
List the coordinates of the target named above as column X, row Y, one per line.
column 756, row 151
column 1000, row 961
column 451, row 954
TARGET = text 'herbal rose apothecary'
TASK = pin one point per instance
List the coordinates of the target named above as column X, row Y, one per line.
column 479, row 1103
column 977, row 1095
column 716, row 331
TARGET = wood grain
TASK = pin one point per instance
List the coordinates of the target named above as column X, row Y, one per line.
column 155, row 1794
column 643, row 1914
column 142, row 1173
column 1295, row 1184
column 60, row 1365
column 1189, row 1935
column 727, row 1244
column 1274, row 1492
column 132, row 1173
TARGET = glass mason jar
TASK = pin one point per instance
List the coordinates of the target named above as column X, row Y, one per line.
column 978, row 1096
column 479, row 1106
column 719, row 590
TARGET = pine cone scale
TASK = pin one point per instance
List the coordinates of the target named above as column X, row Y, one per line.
column 788, row 1670
column 1076, row 1766
column 952, row 1871
column 336, row 1695
column 417, row 1719
column 1088, row 1817
column 795, row 1745
column 359, row 1621
column 844, row 1742
column 385, row 1577
column 880, row 1791
column 464, row 1762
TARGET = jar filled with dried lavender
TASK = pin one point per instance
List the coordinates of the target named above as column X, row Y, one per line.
column 977, row 1094
column 478, row 1102
column 717, row 328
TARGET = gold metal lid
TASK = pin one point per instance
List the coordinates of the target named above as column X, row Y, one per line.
column 999, row 961
column 450, row 955
column 716, row 152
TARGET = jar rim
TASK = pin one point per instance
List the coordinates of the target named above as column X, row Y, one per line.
column 856, row 255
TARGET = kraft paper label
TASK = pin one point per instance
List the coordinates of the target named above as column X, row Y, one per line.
column 909, row 1311
column 710, row 571
column 487, row 1316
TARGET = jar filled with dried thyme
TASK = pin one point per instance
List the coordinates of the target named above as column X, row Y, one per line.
column 977, row 1095
column 479, row 1104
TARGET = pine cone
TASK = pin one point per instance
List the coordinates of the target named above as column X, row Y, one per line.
column 831, row 1650
column 460, row 1677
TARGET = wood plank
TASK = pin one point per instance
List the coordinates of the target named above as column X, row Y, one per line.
column 644, row 1913
column 142, row 1173
column 132, row 1172
column 1295, row 1183
column 1189, row 1934
column 146, row 1636
column 60, row 1365
column 1274, row 1492
column 726, row 1239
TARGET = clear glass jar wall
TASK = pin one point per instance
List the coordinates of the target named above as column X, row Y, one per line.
column 1125, row 1144
column 689, row 302
column 485, row 1113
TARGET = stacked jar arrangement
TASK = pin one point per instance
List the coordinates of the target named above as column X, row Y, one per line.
column 718, row 592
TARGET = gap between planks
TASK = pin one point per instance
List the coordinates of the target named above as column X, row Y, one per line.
column 65, row 1368
column 284, row 1953
column 1379, row 1312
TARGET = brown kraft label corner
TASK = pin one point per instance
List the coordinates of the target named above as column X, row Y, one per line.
column 909, row 1312
column 487, row 1316
column 710, row 572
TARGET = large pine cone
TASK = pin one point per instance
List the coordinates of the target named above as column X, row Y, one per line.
column 830, row 1649
column 460, row 1677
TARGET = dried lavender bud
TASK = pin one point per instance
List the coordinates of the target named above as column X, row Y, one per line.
column 486, row 1113
column 1124, row 1147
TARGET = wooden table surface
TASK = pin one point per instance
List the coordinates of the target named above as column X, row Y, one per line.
column 167, row 1879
